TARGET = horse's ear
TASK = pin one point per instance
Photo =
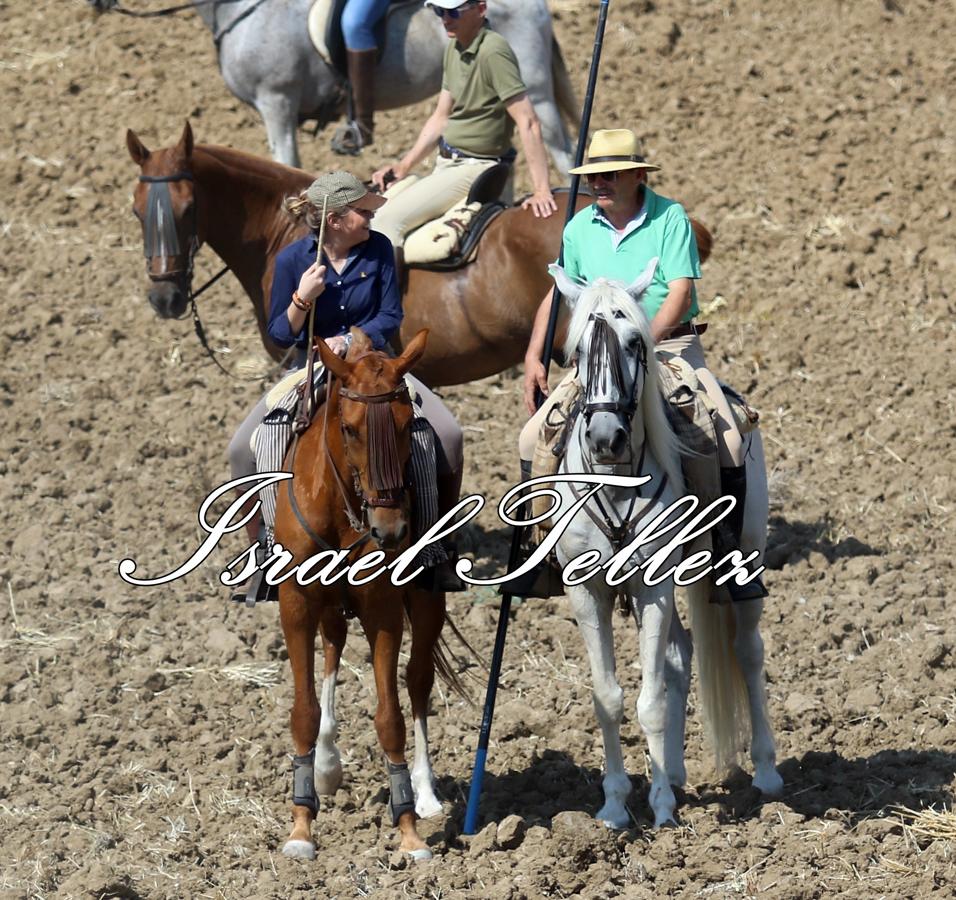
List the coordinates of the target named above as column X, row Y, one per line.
column 569, row 288
column 413, row 352
column 137, row 149
column 360, row 342
column 637, row 288
column 332, row 361
column 186, row 141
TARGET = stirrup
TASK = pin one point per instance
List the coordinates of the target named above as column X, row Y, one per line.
column 350, row 138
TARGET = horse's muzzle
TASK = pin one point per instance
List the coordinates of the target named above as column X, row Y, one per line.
column 168, row 299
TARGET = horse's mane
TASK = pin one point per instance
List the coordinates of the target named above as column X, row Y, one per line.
column 611, row 301
column 268, row 175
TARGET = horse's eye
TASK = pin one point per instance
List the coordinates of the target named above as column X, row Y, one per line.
column 349, row 431
column 634, row 342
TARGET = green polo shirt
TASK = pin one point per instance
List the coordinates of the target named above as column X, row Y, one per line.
column 481, row 78
column 660, row 229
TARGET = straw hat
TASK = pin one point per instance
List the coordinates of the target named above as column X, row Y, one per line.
column 342, row 189
column 612, row 150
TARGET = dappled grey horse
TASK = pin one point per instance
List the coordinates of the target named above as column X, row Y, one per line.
column 268, row 61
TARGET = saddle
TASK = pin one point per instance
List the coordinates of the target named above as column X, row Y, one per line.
column 325, row 30
column 689, row 411
column 451, row 241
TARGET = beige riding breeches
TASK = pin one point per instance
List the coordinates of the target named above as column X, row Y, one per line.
column 433, row 194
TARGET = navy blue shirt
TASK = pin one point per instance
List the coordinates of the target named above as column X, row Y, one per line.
column 364, row 294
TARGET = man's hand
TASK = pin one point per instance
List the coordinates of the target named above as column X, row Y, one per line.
column 383, row 177
column 534, row 379
column 542, row 203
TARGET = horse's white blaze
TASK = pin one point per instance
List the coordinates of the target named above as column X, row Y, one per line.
column 423, row 783
column 328, row 760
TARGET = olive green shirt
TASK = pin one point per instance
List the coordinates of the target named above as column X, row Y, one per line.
column 594, row 249
column 481, row 78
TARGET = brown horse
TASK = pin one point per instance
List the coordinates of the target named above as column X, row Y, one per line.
column 479, row 316
column 348, row 465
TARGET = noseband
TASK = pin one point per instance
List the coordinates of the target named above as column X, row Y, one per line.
column 161, row 238
column 606, row 358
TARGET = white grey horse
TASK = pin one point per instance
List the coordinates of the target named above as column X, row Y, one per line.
column 268, row 61
column 623, row 430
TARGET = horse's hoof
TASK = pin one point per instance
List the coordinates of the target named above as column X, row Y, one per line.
column 616, row 820
column 418, row 856
column 299, row 849
column 769, row 784
column 664, row 821
column 426, row 808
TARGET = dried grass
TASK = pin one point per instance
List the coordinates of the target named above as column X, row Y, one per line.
column 928, row 824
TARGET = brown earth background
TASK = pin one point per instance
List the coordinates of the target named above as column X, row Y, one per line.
column 144, row 748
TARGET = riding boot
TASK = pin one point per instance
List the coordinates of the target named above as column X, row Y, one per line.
column 733, row 483
column 358, row 133
column 257, row 589
column 544, row 580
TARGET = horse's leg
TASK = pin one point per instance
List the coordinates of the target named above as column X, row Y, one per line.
column 427, row 614
column 748, row 647
column 300, row 618
column 328, row 761
column 383, row 627
column 677, row 667
column 280, row 115
column 593, row 616
column 655, row 608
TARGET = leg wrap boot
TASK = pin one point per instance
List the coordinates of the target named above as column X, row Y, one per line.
column 401, row 797
column 303, row 781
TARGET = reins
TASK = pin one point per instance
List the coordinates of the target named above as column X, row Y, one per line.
column 183, row 7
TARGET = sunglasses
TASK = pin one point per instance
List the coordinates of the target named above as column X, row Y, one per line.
column 606, row 176
column 452, row 13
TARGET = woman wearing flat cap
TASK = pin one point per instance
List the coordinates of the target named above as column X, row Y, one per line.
column 615, row 237
column 351, row 283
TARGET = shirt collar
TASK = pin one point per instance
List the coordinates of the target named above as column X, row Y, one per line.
column 597, row 214
column 472, row 48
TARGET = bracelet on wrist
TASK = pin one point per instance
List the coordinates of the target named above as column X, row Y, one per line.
column 299, row 303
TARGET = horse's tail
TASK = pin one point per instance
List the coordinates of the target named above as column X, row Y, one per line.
column 563, row 89
column 720, row 681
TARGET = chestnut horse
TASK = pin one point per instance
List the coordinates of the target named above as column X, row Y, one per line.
column 479, row 316
column 348, row 465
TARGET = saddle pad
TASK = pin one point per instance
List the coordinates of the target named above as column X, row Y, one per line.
column 319, row 14
column 442, row 237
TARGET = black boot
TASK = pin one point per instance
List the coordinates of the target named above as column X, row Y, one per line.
column 349, row 139
column 733, row 483
column 544, row 580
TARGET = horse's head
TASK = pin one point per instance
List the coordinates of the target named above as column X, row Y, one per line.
column 375, row 413
column 611, row 336
column 164, row 201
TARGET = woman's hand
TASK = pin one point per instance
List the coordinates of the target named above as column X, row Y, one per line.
column 534, row 380
column 312, row 283
column 337, row 344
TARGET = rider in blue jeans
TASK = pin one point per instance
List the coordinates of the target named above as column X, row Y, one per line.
column 359, row 18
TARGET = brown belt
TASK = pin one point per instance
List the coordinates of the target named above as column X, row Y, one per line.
column 687, row 328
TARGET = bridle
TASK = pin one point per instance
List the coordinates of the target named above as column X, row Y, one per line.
column 385, row 472
column 606, row 355
column 161, row 239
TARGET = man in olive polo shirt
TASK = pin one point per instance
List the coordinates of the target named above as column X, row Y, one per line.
column 626, row 227
column 482, row 99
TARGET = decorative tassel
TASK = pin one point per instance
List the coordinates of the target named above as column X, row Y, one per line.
column 385, row 470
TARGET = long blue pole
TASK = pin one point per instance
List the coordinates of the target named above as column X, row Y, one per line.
column 484, row 734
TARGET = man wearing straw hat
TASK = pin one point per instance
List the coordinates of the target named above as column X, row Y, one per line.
column 616, row 237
